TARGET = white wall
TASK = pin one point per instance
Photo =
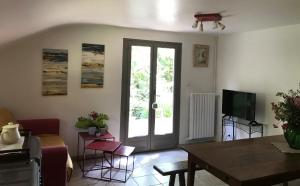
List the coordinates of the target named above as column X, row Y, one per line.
column 263, row 62
column 20, row 75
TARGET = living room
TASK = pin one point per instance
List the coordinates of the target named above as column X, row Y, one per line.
column 257, row 52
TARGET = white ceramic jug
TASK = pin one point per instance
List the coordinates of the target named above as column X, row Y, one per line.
column 10, row 133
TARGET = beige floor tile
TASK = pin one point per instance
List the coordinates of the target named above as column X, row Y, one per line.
column 146, row 180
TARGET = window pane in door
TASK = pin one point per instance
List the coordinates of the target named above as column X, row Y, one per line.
column 164, row 91
column 139, row 91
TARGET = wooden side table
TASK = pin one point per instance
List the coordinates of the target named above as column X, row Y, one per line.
column 86, row 137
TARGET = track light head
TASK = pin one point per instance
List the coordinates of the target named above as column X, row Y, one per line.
column 221, row 25
column 215, row 25
column 201, row 26
column 195, row 25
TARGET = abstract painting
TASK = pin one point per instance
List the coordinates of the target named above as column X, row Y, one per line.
column 92, row 66
column 201, row 55
column 55, row 72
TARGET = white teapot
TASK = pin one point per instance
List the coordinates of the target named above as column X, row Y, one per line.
column 10, row 133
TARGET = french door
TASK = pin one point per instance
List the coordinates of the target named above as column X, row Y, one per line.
column 150, row 94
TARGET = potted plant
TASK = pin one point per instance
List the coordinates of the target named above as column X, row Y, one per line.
column 287, row 112
column 95, row 123
column 100, row 121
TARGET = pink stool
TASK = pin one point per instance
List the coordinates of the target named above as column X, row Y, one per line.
column 108, row 147
column 125, row 151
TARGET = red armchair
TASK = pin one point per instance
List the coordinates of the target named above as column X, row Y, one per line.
column 54, row 158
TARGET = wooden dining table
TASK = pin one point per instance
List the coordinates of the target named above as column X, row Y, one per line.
column 246, row 162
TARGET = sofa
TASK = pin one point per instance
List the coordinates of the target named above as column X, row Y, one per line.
column 56, row 163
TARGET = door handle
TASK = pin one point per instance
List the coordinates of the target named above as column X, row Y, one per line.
column 154, row 106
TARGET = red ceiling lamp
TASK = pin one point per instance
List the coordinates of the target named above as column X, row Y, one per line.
column 216, row 18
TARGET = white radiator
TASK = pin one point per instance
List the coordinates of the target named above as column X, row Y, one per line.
column 202, row 115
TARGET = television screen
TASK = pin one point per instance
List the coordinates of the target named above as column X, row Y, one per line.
column 239, row 104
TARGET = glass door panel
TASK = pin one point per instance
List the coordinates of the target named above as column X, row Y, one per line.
column 164, row 91
column 150, row 94
column 139, row 91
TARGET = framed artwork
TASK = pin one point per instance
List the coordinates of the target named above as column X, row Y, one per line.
column 92, row 66
column 201, row 55
column 55, row 72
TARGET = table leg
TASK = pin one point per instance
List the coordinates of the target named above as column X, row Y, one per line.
column 133, row 162
column 78, row 159
column 95, row 157
column 250, row 131
column 120, row 162
column 233, row 131
column 222, row 129
column 181, row 179
column 191, row 171
column 111, row 166
column 172, row 180
column 83, row 168
column 102, row 159
column 126, row 168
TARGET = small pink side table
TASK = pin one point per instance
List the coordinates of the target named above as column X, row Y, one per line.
column 86, row 137
column 107, row 147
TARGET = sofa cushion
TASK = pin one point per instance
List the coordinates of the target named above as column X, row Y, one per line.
column 49, row 140
column 41, row 126
column 52, row 140
column 5, row 117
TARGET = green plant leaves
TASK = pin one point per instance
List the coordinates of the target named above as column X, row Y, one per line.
column 98, row 120
column 288, row 110
column 83, row 123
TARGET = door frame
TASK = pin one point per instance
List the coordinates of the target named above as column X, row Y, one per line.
column 125, row 92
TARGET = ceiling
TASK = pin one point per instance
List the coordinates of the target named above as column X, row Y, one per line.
column 19, row 18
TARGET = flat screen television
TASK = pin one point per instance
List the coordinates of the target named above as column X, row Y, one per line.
column 239, row 104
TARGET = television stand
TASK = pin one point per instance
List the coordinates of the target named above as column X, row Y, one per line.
column 250, row 127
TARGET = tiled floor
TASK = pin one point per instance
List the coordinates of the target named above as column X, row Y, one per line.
column 145, row 175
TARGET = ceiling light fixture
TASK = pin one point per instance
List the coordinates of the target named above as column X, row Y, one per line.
column 216, row 18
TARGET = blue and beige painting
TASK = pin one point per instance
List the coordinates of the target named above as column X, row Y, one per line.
column 92, row 66
column 55, row 72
